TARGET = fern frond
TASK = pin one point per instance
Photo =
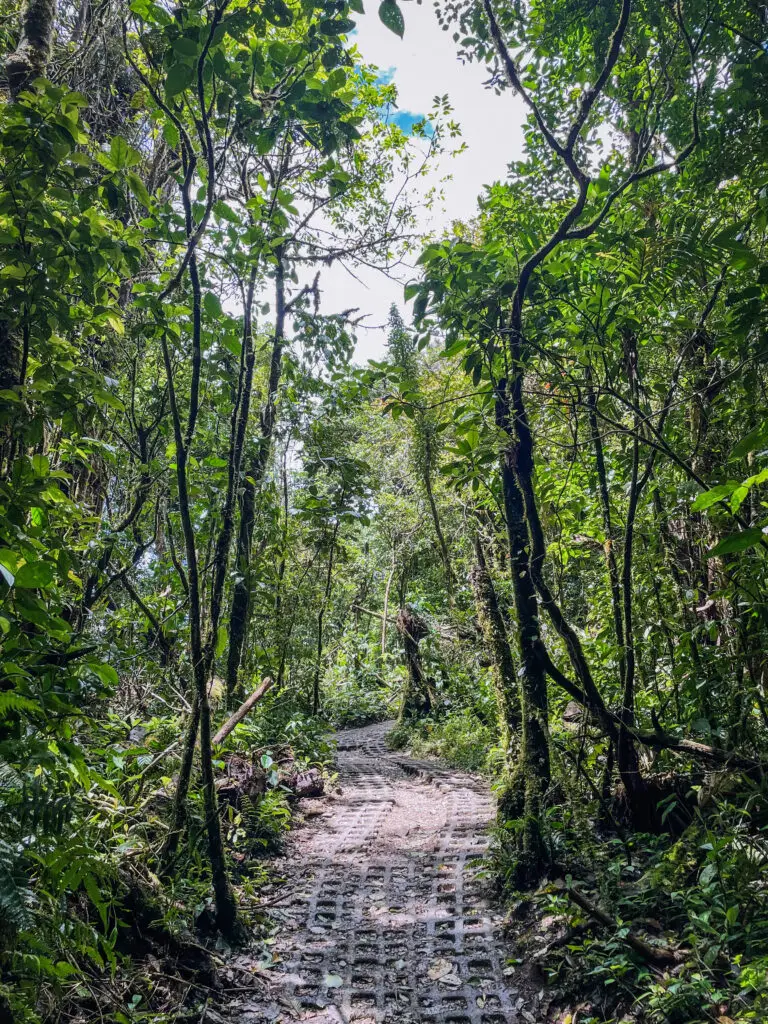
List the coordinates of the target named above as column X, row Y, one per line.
column 11, row 701
column 16, row 896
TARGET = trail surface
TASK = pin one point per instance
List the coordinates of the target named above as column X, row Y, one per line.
column 389, row 919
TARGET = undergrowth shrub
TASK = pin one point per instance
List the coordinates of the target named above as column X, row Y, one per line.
column 358, row 701
column 263, row 822
column 703, row 894
column 460, row 739
column 360, row 688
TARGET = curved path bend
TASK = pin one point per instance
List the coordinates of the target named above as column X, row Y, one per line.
column 389, row 918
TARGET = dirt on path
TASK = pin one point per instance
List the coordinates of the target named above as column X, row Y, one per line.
column 390, row 919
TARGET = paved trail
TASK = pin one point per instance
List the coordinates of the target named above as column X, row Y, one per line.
column 388, row 921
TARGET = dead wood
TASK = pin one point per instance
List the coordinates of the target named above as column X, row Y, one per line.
column 242, row 711
column 659, row 956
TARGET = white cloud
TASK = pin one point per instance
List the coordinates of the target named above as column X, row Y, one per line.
column 425, row 65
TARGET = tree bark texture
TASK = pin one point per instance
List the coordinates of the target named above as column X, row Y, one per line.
column 523, row 800
column 419, row 695
column 240, row 608
column 495, row 635
column 30, row 58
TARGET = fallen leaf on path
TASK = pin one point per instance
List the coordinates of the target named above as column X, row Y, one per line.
column 451, row 979
column 438, row 969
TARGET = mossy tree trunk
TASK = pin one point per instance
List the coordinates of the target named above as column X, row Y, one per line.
column 419, row 695
column 28, row 61
column 495, row 635
column 30, row 58
column 524, row 795
column 239, row 614
column 321, row 618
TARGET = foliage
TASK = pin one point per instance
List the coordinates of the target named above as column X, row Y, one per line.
column 460, row 739
column 703, row 890
column 556, row 474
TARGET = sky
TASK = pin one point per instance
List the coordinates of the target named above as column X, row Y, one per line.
column 423, row 65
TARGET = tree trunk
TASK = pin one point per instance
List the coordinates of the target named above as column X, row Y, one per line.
column 321, row 619
column 444, row 553
column 639, row 799
column 523, row 798
column 419, row 695
column 179, row 814
column 495, row 634
column 30, row 58
column 605, row 502
column 27, row 62
column 384, row 621
column 240, row 608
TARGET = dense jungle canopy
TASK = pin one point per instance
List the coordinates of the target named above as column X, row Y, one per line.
column 535, row 531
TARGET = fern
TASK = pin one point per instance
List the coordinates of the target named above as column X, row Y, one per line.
column 16, row 896
column 33, row 804
column 250, row 814
column 10, row 777
column 11, row 701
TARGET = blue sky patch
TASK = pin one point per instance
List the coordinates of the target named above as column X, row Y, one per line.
column 404, row 119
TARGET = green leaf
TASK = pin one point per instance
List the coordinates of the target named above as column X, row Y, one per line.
column 223, row 210
column 35, row 574
column 107, row 398
column 185, row 46
column 10, row 701
column 711, row 497
column 728, row 239
column 171, row 134
column 13, row 270
column 139, row 189
column 105, row 672
column 391, row 16
column 336, row 26
column 279, row 13
column 122, row 155
column 212, row 305
column 736, row 542
column 754, row 440
column 179, row 77
column 455, row 348
column 41, row 465
column 91, row 887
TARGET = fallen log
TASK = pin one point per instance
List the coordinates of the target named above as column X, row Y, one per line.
column 659, row 956
column 242, row 711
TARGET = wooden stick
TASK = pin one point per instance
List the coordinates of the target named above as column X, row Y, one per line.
column 376, row 615
column 242, row 711
column 659, row 956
